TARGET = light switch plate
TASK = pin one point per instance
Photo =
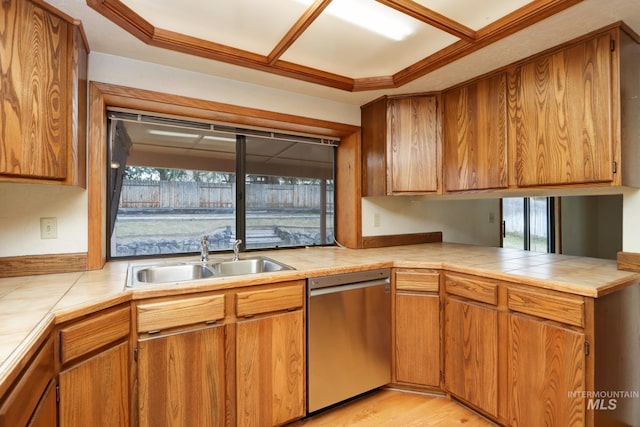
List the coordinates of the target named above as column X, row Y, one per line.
column 49, row 228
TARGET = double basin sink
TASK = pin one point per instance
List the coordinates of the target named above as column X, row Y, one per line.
column 192, row 271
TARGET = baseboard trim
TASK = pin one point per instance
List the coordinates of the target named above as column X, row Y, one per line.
column 42, row 264
column 401, row 239
column 629, row 261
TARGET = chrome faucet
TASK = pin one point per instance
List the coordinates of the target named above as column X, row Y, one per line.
column 236, row 248
column 204, row 249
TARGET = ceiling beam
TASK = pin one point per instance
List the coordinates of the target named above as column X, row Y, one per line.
column 431, row 17
column 297, row 29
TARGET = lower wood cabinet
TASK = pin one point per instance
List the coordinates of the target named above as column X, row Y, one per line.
column 546, row 364
column 31, row 401
column 95, row 392
column 95, row 358
column 471, row 353
column 417, row 327
column 270, row 369
column 181, row 378
column 229, row 358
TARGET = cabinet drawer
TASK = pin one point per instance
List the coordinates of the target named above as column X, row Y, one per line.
column 268, row 300
column 567, row 309
column 18, row 407
column 419, row 281
column 90, row 334
column 471, row 287
column 180, row 312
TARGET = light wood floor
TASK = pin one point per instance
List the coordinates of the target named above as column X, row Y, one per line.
column 391, row 408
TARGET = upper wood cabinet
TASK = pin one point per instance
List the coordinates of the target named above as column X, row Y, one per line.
column 569, row 114
column 474, row 135
column 43, row 61
column 400, row 146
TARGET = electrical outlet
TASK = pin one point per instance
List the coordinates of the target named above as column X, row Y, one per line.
column 49, row 228
column 376, row 220
column 491, row 218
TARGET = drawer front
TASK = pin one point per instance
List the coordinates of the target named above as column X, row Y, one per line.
column 471, row 287
column 90, row 334
column 419, row 281
column 180, row 312
column 264, row 301
column 567, row 309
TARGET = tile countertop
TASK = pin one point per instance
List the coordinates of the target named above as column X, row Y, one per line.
column 30, row 305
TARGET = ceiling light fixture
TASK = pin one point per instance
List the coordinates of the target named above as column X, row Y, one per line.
column 188, row 135
column 371, row 16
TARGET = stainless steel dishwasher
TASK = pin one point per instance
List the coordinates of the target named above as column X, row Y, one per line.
column 348, row 336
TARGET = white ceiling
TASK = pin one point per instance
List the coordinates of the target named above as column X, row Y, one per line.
column 333, row 46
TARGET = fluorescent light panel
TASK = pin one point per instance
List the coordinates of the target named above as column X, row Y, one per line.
column 371, row 16
column 188, row 135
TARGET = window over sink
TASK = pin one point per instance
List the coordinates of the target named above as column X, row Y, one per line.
column 174, row 180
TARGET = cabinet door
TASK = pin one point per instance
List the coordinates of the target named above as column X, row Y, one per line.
column 33, row 106
column 471, row 353
column 270, row 369
column 563, row 116
column 46, row 414
column 412, row 145
column 417, row 332
column 546, row 364
column 95, row 392
column 181, row 379
column 474, row 133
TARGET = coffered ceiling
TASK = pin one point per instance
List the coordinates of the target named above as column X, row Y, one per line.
column 313, row 48
column 351, row 45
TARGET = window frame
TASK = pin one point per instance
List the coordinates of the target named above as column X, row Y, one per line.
column 183, row 124
column 102, row 95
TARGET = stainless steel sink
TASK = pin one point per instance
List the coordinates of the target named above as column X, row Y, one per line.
column 188, row 272
column 247, row 266
column 170, row 273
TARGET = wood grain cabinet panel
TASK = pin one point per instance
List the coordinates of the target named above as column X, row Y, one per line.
column 33, row 386
column 417, row 339
column 474, row 135
column 181, row 379
column 546, row 364
column 95, row 392
column 43, row 98
column 400, row 146
column 471, row 353
column 270, row 370
column 563, row 116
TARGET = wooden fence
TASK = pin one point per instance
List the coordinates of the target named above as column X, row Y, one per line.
column 170, row 194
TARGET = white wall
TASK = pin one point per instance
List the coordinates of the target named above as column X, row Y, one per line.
column 591, row 225
column 461, row 221
column 21, row 209
column 631, row 220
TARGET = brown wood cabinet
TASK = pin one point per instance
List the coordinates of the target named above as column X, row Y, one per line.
column 270, row 356
column 474, row 135
column 181, row 359
column 32, row 400
column 571, row 114
column 471, row 353
column 44, row 96
column 400, row 146
column 234, row 357
column 95, row 358
column 417, row 327
column 546, row 362
column 181, row 378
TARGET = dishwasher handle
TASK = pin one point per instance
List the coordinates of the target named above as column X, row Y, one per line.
column 351, row 286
